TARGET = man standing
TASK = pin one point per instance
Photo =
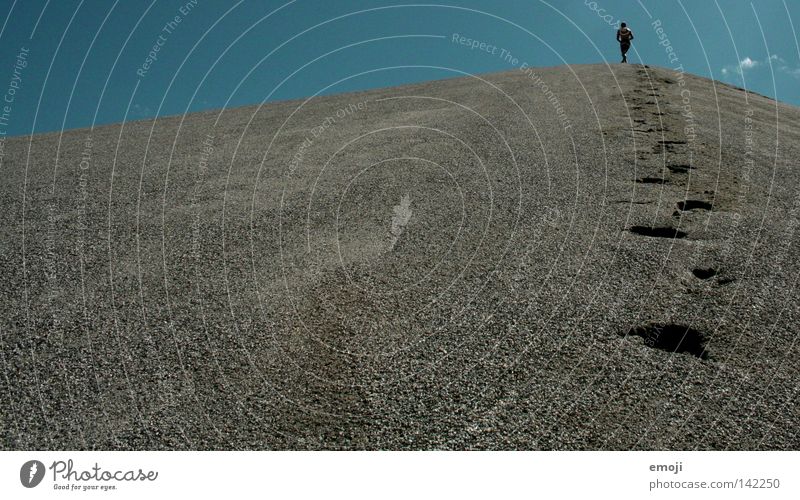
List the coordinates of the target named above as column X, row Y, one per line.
column 624, row 37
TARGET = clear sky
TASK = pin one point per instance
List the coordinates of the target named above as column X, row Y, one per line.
column 86, row 61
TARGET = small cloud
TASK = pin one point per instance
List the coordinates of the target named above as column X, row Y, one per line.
column 784, row 66
column 747, row 63
column 139, row 111
column 793, row 72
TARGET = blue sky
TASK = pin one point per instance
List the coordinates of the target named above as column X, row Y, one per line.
column 85, row 62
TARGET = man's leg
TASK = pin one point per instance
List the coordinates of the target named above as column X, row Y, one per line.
column 624, row 48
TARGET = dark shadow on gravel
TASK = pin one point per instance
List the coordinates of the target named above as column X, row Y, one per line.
column 673, row 338
column 652, row 180
column 679, row 169
column 687, row 205
column 704, row 274
column 657, row 232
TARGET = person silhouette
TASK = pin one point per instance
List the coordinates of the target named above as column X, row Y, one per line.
column 624, row 37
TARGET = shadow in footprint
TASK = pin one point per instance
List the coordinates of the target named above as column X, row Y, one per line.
column 704, row 274
column 652, row 180
column 679, row 169
column 657, row 232
column 673, row 338
column 688, row 205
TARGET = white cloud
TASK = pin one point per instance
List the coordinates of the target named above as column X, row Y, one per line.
column 747, row 63
column 139, row 111
column 795, row 72
column 784, row 66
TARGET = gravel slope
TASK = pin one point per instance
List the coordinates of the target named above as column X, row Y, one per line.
column 489, row 262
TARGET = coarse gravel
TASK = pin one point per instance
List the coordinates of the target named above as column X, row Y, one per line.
column 497, row 261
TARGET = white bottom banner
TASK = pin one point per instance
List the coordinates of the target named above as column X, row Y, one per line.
column 404, row 475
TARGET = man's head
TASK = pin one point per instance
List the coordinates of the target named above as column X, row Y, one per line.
column 623, row 25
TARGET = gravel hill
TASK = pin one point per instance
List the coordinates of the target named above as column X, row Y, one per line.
column 583, row 257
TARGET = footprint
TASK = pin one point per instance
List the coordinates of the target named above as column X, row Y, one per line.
column 685, row 206
column 652, row 180
column 704, row 274
column 658, row 231
column 673, row 338
column 680, row 169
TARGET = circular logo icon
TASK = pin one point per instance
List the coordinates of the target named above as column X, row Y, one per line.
column 31, row 473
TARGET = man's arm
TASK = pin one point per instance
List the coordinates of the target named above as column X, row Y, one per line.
column 619, row 39
column 631, row 35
